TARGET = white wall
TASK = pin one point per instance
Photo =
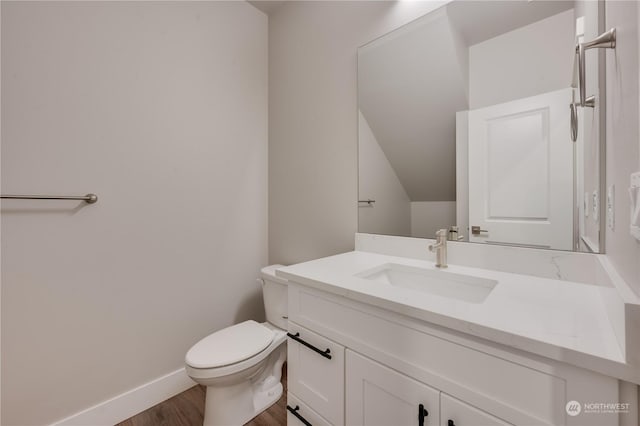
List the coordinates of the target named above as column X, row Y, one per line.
column 429, row 216
column 623, row 135
column 313, row 120
column 391, row 212
column 623, row 150
column 534, row 59
column 160, row 109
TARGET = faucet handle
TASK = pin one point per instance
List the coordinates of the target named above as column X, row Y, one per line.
column 442, row 233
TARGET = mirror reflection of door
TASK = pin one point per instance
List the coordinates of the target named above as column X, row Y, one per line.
column 521, row 172
column 432, row 89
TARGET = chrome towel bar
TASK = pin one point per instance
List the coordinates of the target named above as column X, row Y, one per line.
column 89, row 198
column 605, row 40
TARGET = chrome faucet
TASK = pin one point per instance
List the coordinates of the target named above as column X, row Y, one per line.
column 440, row 248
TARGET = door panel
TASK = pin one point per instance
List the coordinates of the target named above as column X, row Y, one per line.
column 521, row 172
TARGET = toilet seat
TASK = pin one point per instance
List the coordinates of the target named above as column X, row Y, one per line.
column 230, row 345
column 280, row 337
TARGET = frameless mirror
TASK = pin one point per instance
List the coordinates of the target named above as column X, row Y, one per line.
column 465, row 123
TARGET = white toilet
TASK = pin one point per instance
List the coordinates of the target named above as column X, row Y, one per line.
column 241, row 365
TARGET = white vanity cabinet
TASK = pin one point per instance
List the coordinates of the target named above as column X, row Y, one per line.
column 386, row 367
column 377, row 395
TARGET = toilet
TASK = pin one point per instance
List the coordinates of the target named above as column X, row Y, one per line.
column 241, row 365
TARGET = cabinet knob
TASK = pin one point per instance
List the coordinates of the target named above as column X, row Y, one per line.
column 422, row 413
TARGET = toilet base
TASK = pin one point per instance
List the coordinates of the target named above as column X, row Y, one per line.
column 265, row 399
column 233, row 405
column 237, row 405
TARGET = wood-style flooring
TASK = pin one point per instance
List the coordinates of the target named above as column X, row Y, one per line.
column 187, row 409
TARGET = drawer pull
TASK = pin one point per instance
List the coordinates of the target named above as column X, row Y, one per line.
column 297, row 338
column 294, row 411
column 422, row 413
column 450, row 423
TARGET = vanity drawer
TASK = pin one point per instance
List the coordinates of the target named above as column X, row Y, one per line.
column 304, row 413
column 457, row 413
column 316, row 372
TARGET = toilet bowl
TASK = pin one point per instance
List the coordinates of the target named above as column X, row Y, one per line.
column 241, row 365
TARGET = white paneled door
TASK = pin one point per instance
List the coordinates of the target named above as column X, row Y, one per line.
column 521, row 172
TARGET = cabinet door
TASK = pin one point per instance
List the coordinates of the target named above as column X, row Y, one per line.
column 457, row 413
column 378, row 395
column 318, row 380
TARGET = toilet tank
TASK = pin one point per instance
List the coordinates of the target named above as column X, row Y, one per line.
column 274, row 294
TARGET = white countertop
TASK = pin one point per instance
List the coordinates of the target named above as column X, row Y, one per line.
column 561, row 320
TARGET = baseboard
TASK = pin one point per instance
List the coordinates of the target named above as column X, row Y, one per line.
column 132, row 402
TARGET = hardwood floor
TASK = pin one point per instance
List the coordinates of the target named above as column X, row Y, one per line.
column 187, row 409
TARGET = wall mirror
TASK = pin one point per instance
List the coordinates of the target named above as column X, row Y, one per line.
column 465, row 123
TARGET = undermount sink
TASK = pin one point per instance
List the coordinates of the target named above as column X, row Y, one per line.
column 437, row 282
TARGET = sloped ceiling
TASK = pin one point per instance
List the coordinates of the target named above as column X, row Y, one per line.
column 410, row 84
column 412, row 81
column 478, row 21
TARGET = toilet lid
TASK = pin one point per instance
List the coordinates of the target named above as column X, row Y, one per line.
column 230, row 345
